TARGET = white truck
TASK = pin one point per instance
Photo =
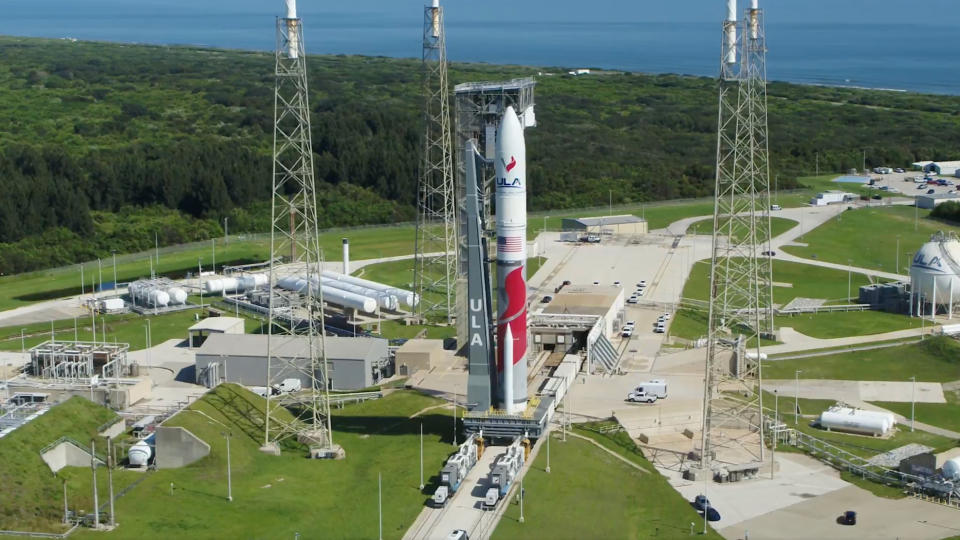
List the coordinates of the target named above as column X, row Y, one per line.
column 649, row 391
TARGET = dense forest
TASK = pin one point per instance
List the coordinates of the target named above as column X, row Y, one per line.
column 104, row 144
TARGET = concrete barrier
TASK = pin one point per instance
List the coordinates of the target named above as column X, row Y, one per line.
column 67, row 453
column 178, row 447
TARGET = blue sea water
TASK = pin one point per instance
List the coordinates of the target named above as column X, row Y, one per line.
column 897, row 56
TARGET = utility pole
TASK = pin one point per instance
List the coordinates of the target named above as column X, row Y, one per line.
column 421, row 455
column 775, row 431
column 110, row 479
column 521, row 498
column 96, row 500
column 454, row 418
column 66, row 510
column 796, row 397
column 114, row 254
column 864, row 161
column 229, row 479
column 913, row 401
column 548, row 453
column 213, row 249
column 156, row 248
column 379, row 506
column 849, row 267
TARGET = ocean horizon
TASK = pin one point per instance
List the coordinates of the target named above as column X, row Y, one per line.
column 896, row 57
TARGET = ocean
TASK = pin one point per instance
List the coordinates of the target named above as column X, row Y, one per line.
column 901, row 57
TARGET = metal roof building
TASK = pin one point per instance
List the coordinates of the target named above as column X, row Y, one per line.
column 930, row 201
column 623, row 224
column 355, row 362
column 202, row 329
column 943, row 168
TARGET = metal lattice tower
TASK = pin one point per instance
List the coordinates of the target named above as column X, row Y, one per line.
column 294, row 240
column 740, row 311
column 435, row 268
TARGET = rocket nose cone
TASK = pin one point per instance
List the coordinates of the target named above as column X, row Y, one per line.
column 510, row 135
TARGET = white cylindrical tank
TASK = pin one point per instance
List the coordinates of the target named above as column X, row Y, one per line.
column 159, row 298
column 409, row 298
column 178, row 296
column 840, row 418
column 140, row 453
column 385, row 300
column 951, row 469
column 330, row 294
column 937, row 264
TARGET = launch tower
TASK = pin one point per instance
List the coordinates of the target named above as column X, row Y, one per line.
column 740, row 310
column 435, row 270
column 294, row 240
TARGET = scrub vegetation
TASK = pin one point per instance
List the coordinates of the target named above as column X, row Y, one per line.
column 95, row 133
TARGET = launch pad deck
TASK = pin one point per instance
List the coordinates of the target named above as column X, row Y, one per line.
column 531, row 423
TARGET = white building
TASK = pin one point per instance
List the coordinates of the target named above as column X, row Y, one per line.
column 930, row 201
column 831, row 197
column 942, row 168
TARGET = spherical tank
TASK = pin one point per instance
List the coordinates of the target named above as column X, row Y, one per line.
column 951, row 469
column 937, row 266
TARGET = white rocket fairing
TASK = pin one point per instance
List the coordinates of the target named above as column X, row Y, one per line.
column 730, row 30
column 435, row 18
column 511, row 202
column 754, row 19
column 293, row 29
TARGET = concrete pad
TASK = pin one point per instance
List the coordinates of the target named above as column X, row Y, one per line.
column 876, row 518
column 800, row 478
column 853, row 391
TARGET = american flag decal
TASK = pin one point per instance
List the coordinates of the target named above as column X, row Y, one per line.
column 510, row 244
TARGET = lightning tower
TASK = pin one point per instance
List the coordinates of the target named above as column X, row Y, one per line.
column 294, row 239
column 435, row 270
column 740, row 310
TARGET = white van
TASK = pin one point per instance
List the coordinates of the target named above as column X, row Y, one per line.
column 775, row 207
column 655, row 387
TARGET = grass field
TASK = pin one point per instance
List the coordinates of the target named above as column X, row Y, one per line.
column 932, row 360
column 32, row 497
column 846, row 323
column 590, row 494
column 125, row 328
column 868, row 237
column 944, row 415
column 778, row 226
column 280, row 497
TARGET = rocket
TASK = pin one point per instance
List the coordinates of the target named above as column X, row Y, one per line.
column 293, row 29
column 730, row 32
column 510, row 163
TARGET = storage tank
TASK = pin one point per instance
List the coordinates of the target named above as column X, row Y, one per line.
column 936, row 266
column 409, row 298
column 177, row 295
column 235, row 284
column 951, row 469
column 843, row 418
column 140, row 453
column 330, row 294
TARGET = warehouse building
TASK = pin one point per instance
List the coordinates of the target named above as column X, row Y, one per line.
column 626, row 224
column 930, row 201
column 199, row 332
column 419, row 354
column 942, row 168
column 355, row 362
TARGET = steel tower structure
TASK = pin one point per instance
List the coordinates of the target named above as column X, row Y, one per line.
column 435, row 270
column 294, row 240
column 740, row 309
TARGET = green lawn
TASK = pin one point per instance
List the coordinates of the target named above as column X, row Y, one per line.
column 778, row 226
column 279, row 497
column 944, row 415
column 590, row 494
column 125, row 328
column 365, row 243
column 32, row 497
column 807, row 281
column 867, row 446
column 846, row 323
column 868, row 237
column 933, row 360
column 396, row 329
column 787, row 403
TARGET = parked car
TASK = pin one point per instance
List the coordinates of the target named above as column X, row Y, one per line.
column 546, row 299
column 633, row 299
column 627, row 332
column 458, row 534
column 700, row 502
column 660, row 328
column 666, row 316
column 849, row 518
column 631, row 323
column 642, row 283
column 876, row 197
column 616, row 283
column 641, row 397
column 898, row 170
column 769, row 253
column 712, row 514
column 931, row 191
column 921, row 186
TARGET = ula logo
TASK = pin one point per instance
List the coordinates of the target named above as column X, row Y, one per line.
column 503, row 182
column 935, row 261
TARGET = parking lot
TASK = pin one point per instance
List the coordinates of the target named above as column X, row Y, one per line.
column 904, row 184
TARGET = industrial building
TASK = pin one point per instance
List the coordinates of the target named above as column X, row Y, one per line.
column 831, row 197
column 624, row 224
column 889, row 297
column 200, row 331
column 418, row 354
column 943, row 168
column 75, row 361
column 930, row 201
column 355, row 362
column 604, row 302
